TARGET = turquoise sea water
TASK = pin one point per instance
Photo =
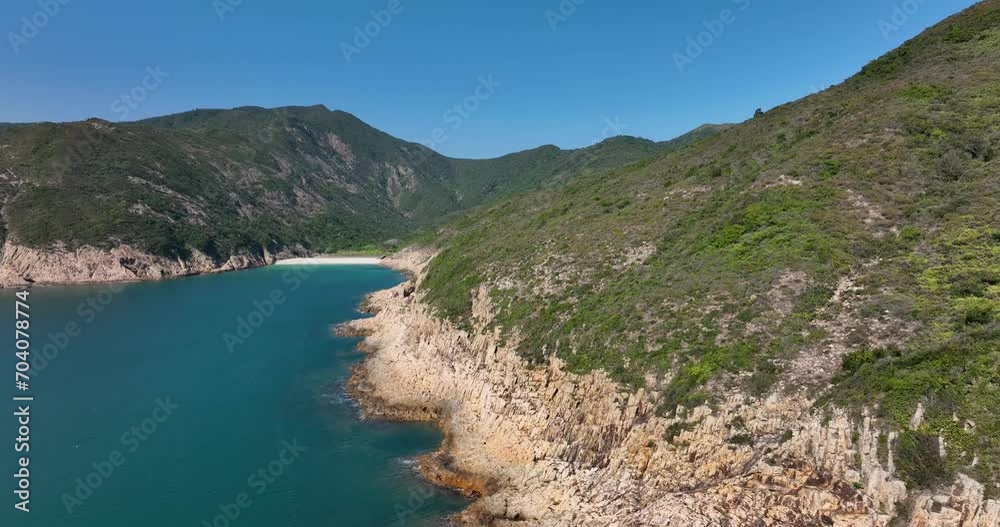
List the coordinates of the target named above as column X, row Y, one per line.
column 186, row 432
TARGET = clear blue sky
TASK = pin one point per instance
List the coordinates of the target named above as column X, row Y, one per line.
column 608, row 61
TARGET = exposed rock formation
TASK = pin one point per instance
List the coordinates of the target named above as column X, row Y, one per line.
column 20, row 265
column 545, row 447
column 963, row 507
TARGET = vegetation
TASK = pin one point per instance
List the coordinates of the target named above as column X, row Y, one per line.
column 252, row 179
column 863, row 217
column 857, row 226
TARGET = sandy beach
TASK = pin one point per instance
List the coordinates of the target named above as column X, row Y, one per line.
column 332, row 260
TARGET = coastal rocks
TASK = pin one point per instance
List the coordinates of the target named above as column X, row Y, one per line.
column 963, row 507
column 544, row 447
column 21, row 265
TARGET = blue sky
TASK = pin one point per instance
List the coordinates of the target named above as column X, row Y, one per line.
column 567, row 72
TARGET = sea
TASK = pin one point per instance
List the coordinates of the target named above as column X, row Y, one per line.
column 213, row 400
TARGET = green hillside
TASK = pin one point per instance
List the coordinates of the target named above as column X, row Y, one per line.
column 851, row 238
column 249, row 179
column 549, row 164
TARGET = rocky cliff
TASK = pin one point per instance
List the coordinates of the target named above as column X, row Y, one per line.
column 21, row 265
column 543, row 447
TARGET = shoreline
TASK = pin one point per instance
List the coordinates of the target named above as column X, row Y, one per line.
column 332, row 260
column 22, row 266
column 109, row 272
column 433, row 466
column 537, row 446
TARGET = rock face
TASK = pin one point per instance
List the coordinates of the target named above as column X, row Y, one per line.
column 963, row 507
column 543, row 447
column 20, row 265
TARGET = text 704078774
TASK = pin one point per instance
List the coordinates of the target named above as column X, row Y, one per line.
column 22, row 401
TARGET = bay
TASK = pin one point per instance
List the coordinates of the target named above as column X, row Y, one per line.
column 149, row 414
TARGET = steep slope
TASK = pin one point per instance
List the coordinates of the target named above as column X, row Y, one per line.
column 228, row 188
column 839, row 255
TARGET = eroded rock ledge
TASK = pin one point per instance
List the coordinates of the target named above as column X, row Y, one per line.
column 543, row 447
column 21, row 265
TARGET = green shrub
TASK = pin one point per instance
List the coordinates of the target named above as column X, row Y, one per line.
column 742, row 438
column 854, row 360
column 675, row 429
column 972, row 311
column 922, row 92
column 959, row 34
column 910, row 233
column 952, row 165
column 973, row 282
column 762, row 380
column 919, row 461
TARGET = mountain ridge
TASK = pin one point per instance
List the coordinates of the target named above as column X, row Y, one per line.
column 207, row 185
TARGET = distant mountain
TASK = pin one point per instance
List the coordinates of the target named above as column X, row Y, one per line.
column 253, row 181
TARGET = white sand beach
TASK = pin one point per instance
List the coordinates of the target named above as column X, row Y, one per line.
column 332, row 260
